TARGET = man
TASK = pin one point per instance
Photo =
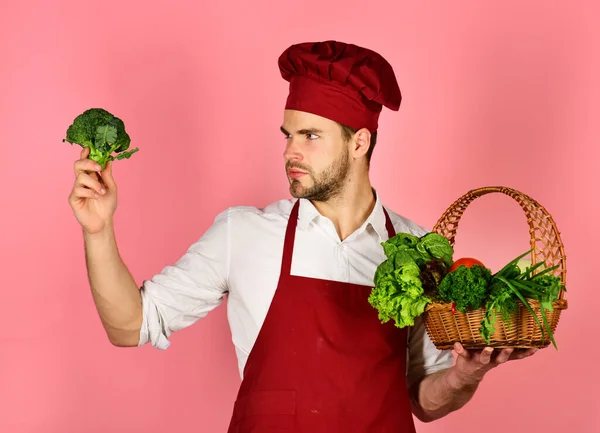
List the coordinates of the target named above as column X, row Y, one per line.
column 312, row 353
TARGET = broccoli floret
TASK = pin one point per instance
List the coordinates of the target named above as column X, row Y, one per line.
column 466, row 286
column 103, row 133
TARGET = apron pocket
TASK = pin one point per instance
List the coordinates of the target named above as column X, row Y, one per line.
column 270, row 411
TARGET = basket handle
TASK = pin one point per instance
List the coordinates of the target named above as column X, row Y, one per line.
column 545, row 238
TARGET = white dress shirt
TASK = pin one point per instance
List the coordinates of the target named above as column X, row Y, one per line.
column 239, row 257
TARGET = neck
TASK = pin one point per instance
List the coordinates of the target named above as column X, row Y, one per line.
column 350, row 209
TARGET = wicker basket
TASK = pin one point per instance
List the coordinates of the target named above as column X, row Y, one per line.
column 446, row 327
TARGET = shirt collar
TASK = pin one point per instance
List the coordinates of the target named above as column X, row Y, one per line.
column 307, row 213
column 376, row 220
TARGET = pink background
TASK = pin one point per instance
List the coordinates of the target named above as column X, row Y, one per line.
column 501, row 92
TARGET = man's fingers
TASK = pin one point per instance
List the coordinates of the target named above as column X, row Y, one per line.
column 82, row 192
column 461, row 351
column 85, row 152
column 523, row 353
column 86, row 180
column 531, row 351
column 86, row 165
column 486, row 355
column 107, row 176
column 504, row 355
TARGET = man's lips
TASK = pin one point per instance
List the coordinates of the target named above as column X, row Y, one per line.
column 296, row 174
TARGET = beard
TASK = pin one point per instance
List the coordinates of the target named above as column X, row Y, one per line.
column 327, row 184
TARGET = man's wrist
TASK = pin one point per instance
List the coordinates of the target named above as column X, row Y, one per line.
column 105, row 234
column 458, row 381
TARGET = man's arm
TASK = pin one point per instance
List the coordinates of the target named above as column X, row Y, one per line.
column 445, row 391
column 115, row 293
column 175, row 298
column 93, row 199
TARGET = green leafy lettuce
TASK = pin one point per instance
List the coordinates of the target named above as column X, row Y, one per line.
column 399, row 293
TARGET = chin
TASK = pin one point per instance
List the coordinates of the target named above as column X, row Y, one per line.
column 295, row 193
column 298, row 191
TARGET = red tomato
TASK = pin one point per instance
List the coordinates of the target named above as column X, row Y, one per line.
column 465, row 261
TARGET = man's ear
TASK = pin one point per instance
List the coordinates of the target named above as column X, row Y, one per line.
column 361, row 142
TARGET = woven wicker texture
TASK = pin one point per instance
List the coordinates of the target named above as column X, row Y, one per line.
column 446, row 327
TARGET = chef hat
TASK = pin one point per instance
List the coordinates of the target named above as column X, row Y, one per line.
column 342, row 82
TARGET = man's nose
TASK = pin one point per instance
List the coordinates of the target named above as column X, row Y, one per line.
column 292, row 150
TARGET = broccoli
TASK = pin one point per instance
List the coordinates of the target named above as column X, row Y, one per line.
column 103, row 133
column 466, row 286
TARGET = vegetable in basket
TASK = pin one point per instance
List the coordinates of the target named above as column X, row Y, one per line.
column 409, row 278
column 511, row 285
column 466, row 286
column 465, row 261
column 419, row 271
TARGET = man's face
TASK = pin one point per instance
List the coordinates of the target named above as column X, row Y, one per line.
column 317, row 159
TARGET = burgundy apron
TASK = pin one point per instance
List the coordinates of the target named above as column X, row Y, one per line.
column 323, row 362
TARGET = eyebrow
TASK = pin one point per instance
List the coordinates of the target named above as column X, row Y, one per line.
column 302, row 131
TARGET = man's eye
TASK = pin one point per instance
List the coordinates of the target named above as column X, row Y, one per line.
column 312, row 136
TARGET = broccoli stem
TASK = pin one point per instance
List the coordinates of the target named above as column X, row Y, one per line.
column 101, row 157
column 94, row 154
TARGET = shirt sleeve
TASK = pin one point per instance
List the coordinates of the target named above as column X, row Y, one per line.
column 189, row 289
column 423, row 357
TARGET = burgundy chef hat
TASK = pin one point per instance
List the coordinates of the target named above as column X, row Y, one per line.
column 342, row 82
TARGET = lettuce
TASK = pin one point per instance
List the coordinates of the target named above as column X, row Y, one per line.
column 399, row 292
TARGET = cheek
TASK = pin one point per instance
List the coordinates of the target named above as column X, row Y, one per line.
column 320, row 153
column 315, row 159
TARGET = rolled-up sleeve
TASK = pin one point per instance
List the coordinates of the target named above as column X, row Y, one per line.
column 186, row 291
column 423, row 357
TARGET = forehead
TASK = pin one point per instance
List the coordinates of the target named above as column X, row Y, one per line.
column 294, row 120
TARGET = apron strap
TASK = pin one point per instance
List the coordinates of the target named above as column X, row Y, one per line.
column 290, row 235
column 388, row 224
column 288, row 244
